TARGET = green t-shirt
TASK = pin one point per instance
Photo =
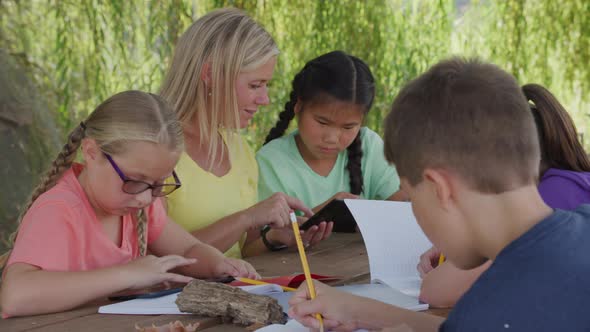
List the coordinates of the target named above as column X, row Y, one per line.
column 282, row 169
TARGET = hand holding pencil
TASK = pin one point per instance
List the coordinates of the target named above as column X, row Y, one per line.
column 305, row 264
column 340, row 310
column 429, row 260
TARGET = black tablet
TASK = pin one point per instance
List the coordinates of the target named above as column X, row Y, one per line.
column 335, row 211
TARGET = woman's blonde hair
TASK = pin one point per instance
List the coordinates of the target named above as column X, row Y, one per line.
column 125, row 117
column 229, row 41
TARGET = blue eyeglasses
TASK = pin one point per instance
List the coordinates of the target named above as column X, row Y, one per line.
column 134, row 187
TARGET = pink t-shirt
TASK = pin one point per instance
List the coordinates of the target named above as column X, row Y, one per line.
column 60, row 232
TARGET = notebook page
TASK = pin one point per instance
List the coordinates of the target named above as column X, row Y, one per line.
column 291, row 326
column 379, row 292
column 393, row 239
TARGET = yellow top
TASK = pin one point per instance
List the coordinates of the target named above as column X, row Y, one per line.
column 205, row 198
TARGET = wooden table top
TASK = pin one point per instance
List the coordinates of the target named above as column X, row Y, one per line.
column 340, row 255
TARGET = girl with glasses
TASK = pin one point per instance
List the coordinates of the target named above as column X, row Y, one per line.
column 88, row 227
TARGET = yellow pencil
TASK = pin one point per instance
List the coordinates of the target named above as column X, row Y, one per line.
column 260, row 282
column 441, row 259
column 305, row 264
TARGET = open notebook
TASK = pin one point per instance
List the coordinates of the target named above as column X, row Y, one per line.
column 394, row 242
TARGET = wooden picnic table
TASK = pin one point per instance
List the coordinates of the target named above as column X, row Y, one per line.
column 340, row 255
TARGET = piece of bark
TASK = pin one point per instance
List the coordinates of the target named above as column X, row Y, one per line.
column 230, row 303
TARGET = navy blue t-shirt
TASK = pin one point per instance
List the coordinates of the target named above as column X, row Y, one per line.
column 539, row 282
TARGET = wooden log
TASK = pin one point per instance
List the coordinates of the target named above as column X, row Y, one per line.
column 232, row 304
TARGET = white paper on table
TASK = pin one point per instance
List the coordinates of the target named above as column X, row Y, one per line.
column 291, row 326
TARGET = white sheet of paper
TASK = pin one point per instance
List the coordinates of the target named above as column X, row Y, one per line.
column 291, row 326
column 394, row 242
column 166, row 305
column 379, row 292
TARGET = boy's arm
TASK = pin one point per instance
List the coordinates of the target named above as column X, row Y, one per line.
column 443, row 286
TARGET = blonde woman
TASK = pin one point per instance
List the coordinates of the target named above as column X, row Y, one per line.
column 217, row 80
column 87, row 227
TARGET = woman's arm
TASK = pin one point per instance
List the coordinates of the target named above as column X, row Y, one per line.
column 225, row 232
column 443, row 286
column 272, row 211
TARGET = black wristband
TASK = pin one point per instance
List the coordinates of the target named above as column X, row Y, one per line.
column 270, row 246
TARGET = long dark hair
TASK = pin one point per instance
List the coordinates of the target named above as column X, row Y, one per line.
column 339, row 76
column 560, row 147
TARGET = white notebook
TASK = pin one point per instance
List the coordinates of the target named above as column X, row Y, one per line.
column 394, row 242
column 166, row 305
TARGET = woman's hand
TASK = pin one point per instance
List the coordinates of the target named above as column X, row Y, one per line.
column 428, row 261
column 274, row 211
column 150, row 270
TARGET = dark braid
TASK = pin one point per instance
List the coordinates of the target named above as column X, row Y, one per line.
column 355, row 149
column 355, row 155
column 288, row 113
column 285, row 118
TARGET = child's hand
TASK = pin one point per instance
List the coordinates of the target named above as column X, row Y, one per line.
column 150, row 270
column 428, row 261
column 274, row 211
column 340, row 195
column 337, row 308
column 236, row 268
column 310, row 237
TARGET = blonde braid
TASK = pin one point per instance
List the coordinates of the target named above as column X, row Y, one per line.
column 62, row 163
column 141, row 230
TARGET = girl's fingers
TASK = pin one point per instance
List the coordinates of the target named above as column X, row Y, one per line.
column 177, row 278
column 232, row 268
column 173, row 261
column 320, row 234
column 243, row 269
column 252, row 274
column 329, row 229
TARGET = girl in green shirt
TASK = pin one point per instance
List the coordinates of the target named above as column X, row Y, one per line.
column 330, row 155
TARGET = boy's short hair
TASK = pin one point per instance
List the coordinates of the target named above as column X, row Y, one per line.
column 468, row 117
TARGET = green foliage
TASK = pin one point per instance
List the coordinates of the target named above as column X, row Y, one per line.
column 81, row 52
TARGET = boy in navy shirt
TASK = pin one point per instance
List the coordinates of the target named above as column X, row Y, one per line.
column 465, row 145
